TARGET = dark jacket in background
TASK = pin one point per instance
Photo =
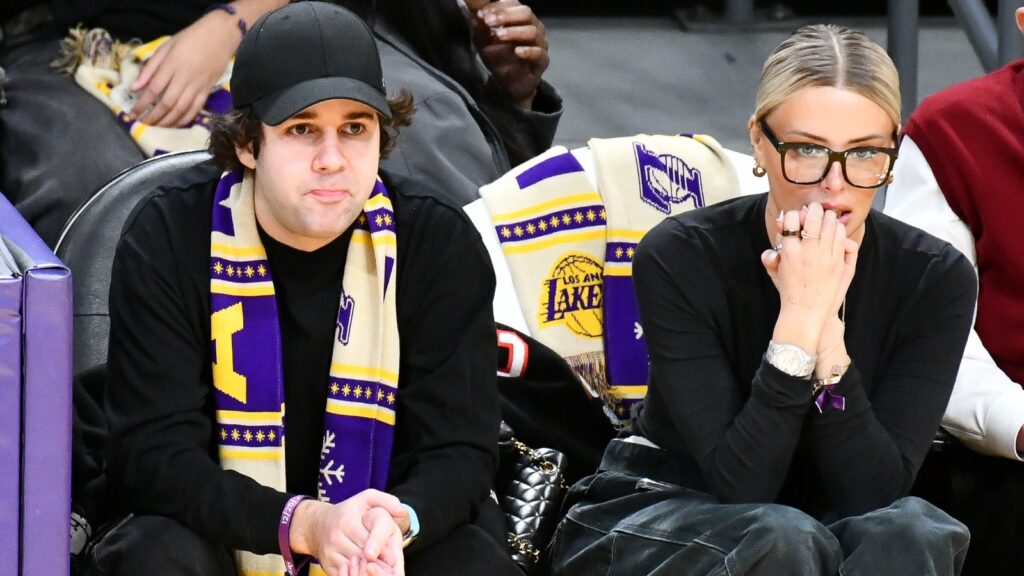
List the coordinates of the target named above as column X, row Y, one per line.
column 452, row 146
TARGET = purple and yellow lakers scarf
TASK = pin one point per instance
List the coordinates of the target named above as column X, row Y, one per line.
column 570, row 246
column 247, row 373
column 107, row 68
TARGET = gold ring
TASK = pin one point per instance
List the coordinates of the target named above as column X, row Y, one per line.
column 790, row 233
column 806, row 236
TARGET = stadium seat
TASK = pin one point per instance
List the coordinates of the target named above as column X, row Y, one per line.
column 88, row 241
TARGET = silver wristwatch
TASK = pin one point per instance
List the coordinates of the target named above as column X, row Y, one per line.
column 791, row 359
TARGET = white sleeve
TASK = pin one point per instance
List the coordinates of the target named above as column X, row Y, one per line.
column 507, row 309
column 986, row 410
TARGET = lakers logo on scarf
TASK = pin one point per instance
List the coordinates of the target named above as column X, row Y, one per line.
column 246, row 341
column 666, row 179
column 573, row 295
column 570, row 246
column 551, row 224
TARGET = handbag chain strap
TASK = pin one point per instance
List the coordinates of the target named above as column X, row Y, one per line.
column 523, row 546
column 545, row 465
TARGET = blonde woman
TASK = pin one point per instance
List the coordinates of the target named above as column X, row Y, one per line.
column 802, row 349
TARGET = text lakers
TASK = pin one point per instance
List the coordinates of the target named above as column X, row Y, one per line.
column 573, row 295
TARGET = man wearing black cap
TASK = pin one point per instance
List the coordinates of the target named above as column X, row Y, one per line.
column 286, row 291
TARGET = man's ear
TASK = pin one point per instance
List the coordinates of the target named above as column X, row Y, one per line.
column 245, row 156
column 1020, row 19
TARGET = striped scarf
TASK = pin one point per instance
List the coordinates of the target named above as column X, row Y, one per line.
column 107, row 68
column 247, row 372
column 570, row 246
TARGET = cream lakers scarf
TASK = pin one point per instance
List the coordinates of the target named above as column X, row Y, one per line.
column 247, row 374
column 570, row 247
column 107, row 69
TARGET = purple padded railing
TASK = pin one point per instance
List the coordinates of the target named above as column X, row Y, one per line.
column 10, row 414
column 44, row 402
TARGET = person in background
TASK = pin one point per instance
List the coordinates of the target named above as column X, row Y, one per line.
column 802, row 350
column 475, row 69
column 960, row 171
column 58, row 144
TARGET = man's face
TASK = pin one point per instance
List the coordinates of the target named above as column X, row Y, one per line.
column 315, row 171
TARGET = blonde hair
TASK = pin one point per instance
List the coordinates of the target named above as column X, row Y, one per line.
column 829, row 55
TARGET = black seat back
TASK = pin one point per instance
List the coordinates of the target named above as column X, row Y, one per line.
column 88, row 241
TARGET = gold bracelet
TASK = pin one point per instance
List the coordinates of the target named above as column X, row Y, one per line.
column 838, row 371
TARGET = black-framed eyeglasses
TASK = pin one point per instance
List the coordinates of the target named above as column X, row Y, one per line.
column 808, row 163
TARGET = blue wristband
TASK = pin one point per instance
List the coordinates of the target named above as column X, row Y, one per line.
column 414, row 526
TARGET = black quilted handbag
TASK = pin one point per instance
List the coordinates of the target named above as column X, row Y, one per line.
column 530, row 487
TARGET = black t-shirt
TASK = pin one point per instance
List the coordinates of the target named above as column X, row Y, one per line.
column 128, row 19
column 745, row 431
column 162, row 456
column 12, row 7
column 307, row 286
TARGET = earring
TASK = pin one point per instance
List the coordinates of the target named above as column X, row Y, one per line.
column 758, row 171
column 889, row 179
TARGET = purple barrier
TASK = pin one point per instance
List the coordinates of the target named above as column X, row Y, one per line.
column 10, row 414
column 46, row 463
column 45, row 399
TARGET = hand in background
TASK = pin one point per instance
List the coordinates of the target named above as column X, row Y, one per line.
column 513, row 46
column 176, row 80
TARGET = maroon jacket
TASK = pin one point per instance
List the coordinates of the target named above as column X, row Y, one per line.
column 973, row 138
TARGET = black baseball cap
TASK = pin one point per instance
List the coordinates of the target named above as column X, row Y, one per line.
column 305, row 53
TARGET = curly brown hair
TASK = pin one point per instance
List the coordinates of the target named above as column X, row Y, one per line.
column 243, row 128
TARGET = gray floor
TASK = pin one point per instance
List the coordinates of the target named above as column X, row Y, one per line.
column 621, row 76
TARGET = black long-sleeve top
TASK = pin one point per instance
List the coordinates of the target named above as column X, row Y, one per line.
column 162, row 455
column 746, row 432
column 127, row 19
